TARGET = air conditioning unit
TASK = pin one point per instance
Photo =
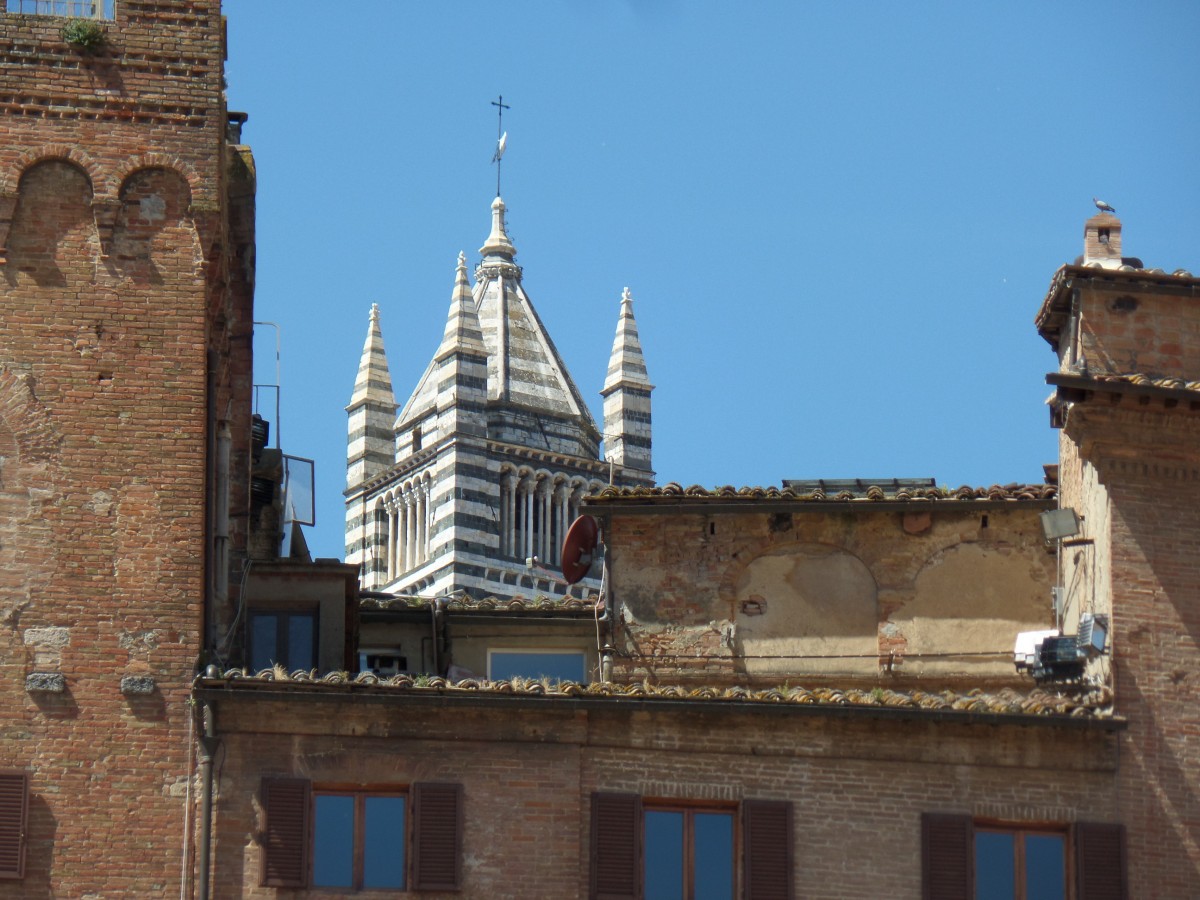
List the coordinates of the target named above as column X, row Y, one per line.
column 385, row 663
column 1093, row 634
column 1025, row 653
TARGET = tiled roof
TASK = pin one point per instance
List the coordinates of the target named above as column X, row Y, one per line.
column 1177, row 384
column 1088, row 703
column 541, row 604
column 872, row 493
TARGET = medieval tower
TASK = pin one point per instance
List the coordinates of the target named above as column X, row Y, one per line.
column 472, row 484
column 126, row 266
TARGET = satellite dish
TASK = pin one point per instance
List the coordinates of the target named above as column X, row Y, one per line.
column 579, row 548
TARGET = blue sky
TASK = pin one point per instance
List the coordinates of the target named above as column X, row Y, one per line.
column 837, row 220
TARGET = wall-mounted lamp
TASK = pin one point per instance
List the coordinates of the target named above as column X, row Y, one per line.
column 1059, row 523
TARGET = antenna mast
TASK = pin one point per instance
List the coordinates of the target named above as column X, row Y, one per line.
column 501, row 106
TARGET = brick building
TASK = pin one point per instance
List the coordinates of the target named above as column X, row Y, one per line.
column 804, row 691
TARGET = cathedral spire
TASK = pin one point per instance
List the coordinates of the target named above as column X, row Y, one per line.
column 462, row 324
column 626, row 396
column 372, row 410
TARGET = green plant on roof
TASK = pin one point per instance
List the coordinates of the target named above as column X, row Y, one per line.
column 84, row 34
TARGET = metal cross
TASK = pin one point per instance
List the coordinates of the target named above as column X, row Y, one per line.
column 501, row 106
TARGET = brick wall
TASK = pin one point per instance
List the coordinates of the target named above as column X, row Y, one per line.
column 528, row 770
column 827, row 593
column 121, row 276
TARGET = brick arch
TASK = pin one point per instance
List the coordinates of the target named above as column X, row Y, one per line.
column 816, row 599
column 135, row 164
column 10, row 178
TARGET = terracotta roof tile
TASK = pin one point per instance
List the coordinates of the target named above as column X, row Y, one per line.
column 540, row 604
column 872, row 493
column 1083, row 702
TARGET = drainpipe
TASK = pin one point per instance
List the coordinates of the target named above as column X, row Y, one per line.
column 208, row 748
column 220, row 592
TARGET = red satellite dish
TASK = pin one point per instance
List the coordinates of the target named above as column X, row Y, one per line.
column 579, row 548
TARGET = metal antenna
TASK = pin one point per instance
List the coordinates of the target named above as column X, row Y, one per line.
column 501, row 106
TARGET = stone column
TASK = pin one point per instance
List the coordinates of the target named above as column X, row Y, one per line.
column 395, row 537
column 530, row 485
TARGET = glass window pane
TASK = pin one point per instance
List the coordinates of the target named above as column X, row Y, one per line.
column 712, row 856
column 383, row 843
column 664, row 855
column 995, row 855
column 333, row 841
column 301, row 627
column 565, row 666
column 262, row 640
column 1045, row 867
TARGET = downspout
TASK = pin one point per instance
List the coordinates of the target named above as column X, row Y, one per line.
column 208, row 747
column 220, row 593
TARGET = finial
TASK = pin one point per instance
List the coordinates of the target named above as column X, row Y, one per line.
column 497, row 243
column 374, row 313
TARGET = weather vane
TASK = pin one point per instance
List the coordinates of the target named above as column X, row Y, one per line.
column 501, row 137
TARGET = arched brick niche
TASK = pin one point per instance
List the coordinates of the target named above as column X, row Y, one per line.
column 807, row 608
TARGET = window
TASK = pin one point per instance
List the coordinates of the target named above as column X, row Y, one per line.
column 359, row 839
column 660, row 851
column 1020, row 865
column 288, row 638
column 14, row 816
column 557, row 665
column 688, row 854
column 962, row 858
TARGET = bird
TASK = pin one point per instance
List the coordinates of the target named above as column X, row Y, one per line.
column 1102, row 206
column 500, row 145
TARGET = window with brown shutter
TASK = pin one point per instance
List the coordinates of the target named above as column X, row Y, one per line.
column 14, row 817
column 437, row 837
column 768, row 839
column 616, row 846
column 1101, row 872
column 286, row 802
column 946, row 857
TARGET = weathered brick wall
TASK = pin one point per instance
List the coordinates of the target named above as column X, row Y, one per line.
column 528, row 770
column 827, row 593
column 1124, row 329
column 1147, row 459
column 117, row 282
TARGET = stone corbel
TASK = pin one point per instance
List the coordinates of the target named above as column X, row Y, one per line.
column 8, row 207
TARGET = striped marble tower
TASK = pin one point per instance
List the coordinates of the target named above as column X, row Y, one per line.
column 492, row 453
column 369, row 448
column 626, row 396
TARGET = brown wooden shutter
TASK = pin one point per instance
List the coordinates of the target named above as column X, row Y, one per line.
column 616, row 847
column 768, row 839
column 947, row 857
column 287, row 803
column 14, row 818
column 437, row 825
column 1100, row 862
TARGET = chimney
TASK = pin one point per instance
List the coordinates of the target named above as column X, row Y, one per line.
column 1102, row 241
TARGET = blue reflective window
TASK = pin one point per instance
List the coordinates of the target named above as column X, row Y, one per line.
column 287, row 638
column 664, row 855
column 688, row 854
column 566, row 665
column 359, row 840
column 1045, row 867
column 333, row 840
column 1036, row 861
column 712, row 857
column 383, row 842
